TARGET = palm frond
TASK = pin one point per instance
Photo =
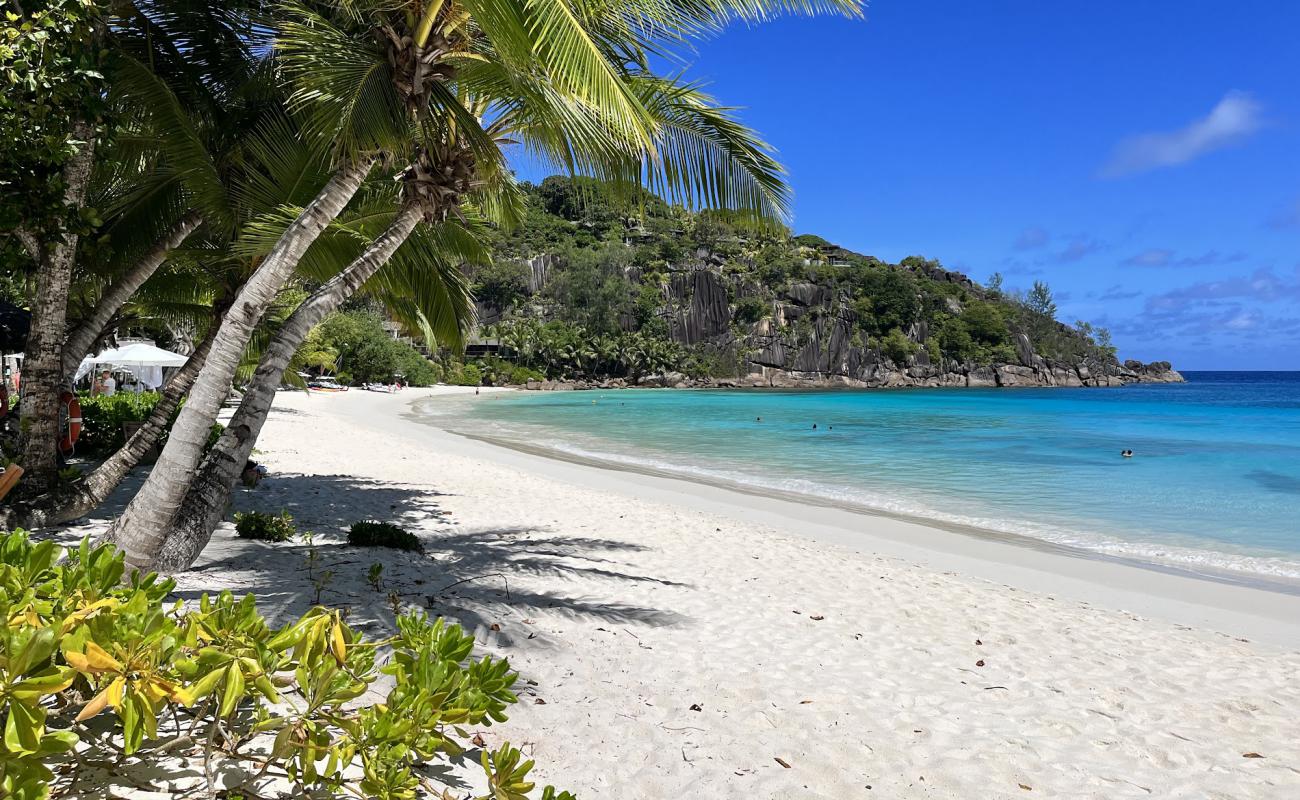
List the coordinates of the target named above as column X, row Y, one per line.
column 549, row 36
column 343, row 80
column 706, row 157
column 280, row 166
column 178, row 140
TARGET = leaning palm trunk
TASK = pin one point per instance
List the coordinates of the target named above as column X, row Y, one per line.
column 115, row 296
column 64, row 505
column 205, row 502
column 43, row 375
column 143, row 525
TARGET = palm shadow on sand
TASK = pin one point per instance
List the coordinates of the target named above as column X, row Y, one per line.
column 472, row 576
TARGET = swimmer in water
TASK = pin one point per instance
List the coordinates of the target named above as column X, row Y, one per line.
column 1127, row 453
column 814, row 426
column 758, row 419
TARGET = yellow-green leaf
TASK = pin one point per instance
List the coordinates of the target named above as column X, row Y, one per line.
column 94, row 661
column 337, row 645
column 24, row 728
column 50, row 682
column 232, row 692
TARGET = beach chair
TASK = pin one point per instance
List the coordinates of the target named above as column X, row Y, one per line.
column 9, row 478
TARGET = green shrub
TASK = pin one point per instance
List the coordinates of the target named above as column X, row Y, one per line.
column 465, row 375
column 369, row 533
column 750, row 310
column 495, row 371
column 265, row 527
column 953, row 336
column 83, row 643
column 520, row 375
column 103, row 416
column 358, row 343
column 898, row 347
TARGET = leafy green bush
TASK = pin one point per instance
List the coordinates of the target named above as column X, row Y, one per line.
column 750, row 310
column 898, row 347
column 369, row 533
column 986, row 323
column 497, row 371
column 103, row 416
column 933, row 350
column 464, row 375
column 265, row 527
column 520, row 375
column 364, row 351
column 81, row 642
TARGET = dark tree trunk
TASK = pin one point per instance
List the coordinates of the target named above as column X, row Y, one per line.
column 43, row 376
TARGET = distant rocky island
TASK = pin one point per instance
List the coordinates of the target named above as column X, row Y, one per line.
column 584, row 294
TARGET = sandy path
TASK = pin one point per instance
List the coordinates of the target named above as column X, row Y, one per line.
column 687, row 653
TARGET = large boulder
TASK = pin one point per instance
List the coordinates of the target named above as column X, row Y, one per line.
column 703, row 310
column 981, row 377
column 1064, row 376
column 1155, row 372
column 809, row 294
column 1012, row 375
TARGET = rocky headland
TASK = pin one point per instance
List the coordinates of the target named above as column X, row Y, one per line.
column 585, row 296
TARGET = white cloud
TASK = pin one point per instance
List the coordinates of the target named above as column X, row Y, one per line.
column 1032, row 238
column 1080, row 247
column 1156, row 257
column 1163, row 257
column 1236, row 117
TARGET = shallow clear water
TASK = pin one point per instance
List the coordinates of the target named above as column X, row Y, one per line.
column 1215, row 480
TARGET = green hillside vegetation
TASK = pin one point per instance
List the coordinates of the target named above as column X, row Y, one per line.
column 611, row 301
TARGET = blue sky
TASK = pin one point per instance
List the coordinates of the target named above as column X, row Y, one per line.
column 1143, row 158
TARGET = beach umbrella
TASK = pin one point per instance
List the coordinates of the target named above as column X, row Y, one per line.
column 139, row 354
column 143, row 360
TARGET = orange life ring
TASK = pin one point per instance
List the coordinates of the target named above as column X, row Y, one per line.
column 4, row 399
column 72, row 425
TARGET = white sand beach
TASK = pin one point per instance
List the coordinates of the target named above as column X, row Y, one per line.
column 684, row 641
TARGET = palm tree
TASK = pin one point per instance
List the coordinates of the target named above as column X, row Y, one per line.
column 154, row 178
column 539, row 72
column 606, row 350
column 43, row 376
column 163, row 181
column 441, row 294
column 366, row 120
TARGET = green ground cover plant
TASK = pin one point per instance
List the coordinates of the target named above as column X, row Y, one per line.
column 265, row 527
column 368, row 533
column 85, row 642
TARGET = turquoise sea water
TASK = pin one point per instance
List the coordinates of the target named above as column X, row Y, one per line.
column 1215, row 480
